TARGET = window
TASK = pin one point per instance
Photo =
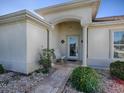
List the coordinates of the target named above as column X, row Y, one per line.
column 118, row 44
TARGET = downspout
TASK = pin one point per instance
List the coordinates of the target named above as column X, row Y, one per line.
column 47, row 38
column 87, row 42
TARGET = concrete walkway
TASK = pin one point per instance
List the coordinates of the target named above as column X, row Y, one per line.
column 56, row 82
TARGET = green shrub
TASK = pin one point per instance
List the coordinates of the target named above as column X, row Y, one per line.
column 117, row 69
column 45, row 59
column 1, row 69
column 85, row 79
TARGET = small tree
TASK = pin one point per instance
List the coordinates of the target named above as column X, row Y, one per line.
column 45, row 59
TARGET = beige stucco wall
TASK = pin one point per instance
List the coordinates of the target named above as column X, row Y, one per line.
column 36, row 41
column 54, row 42
column 84, row 13
column 66, row 29
column 21, row 44
column 13, row 46
column 100, row 44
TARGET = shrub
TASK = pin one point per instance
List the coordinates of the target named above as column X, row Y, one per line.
column 117, row 69
column 1, row 69
column 85, row 79
column 45, row 59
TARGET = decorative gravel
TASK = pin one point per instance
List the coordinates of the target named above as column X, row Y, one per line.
column 69, row 89
column 11, row 82
column 109, row 85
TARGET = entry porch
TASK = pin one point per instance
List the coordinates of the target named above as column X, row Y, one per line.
column 69, row 40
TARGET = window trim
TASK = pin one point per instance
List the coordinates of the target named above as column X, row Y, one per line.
column 112, row 43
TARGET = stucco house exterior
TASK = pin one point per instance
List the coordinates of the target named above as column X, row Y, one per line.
column 71, row 29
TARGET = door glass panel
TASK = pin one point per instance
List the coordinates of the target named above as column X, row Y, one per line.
column 73, row 42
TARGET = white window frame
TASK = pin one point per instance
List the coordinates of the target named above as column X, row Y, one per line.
column 112, row 44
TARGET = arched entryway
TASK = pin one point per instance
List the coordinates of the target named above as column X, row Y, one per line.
column 66, row 39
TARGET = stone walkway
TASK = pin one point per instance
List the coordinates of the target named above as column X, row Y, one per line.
column 56, row 82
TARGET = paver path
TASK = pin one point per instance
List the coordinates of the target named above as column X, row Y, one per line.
column 56, row 82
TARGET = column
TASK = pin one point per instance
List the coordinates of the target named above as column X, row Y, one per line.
column 84, row 38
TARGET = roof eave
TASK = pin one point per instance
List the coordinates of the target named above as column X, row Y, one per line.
column 95, row 11
column 106, row 23
column 22, row 15
column 68, row 5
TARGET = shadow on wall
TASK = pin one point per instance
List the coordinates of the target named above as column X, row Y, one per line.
column 99, row 63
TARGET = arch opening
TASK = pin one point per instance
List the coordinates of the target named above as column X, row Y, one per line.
column 65, row 19
column 64, row 30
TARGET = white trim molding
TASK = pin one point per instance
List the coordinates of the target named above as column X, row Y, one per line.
column 112, row 44
column 108, row 23
column 65, row 18
column 69, row 5
column 23, row 15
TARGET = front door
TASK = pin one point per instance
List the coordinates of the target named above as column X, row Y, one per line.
column 73, row 47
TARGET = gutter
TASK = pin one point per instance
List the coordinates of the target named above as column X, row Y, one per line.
column 107, row 23
column 23, row 15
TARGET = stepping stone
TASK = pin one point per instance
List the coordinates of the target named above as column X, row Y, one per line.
column 56, row 82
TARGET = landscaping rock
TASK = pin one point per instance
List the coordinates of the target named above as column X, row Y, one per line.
column 12, row 82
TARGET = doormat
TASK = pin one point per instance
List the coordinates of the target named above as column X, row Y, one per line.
column 73, row 60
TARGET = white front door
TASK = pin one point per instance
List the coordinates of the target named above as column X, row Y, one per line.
column 73, row 47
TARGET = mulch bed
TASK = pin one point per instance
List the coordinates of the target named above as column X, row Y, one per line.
column 117, row 80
